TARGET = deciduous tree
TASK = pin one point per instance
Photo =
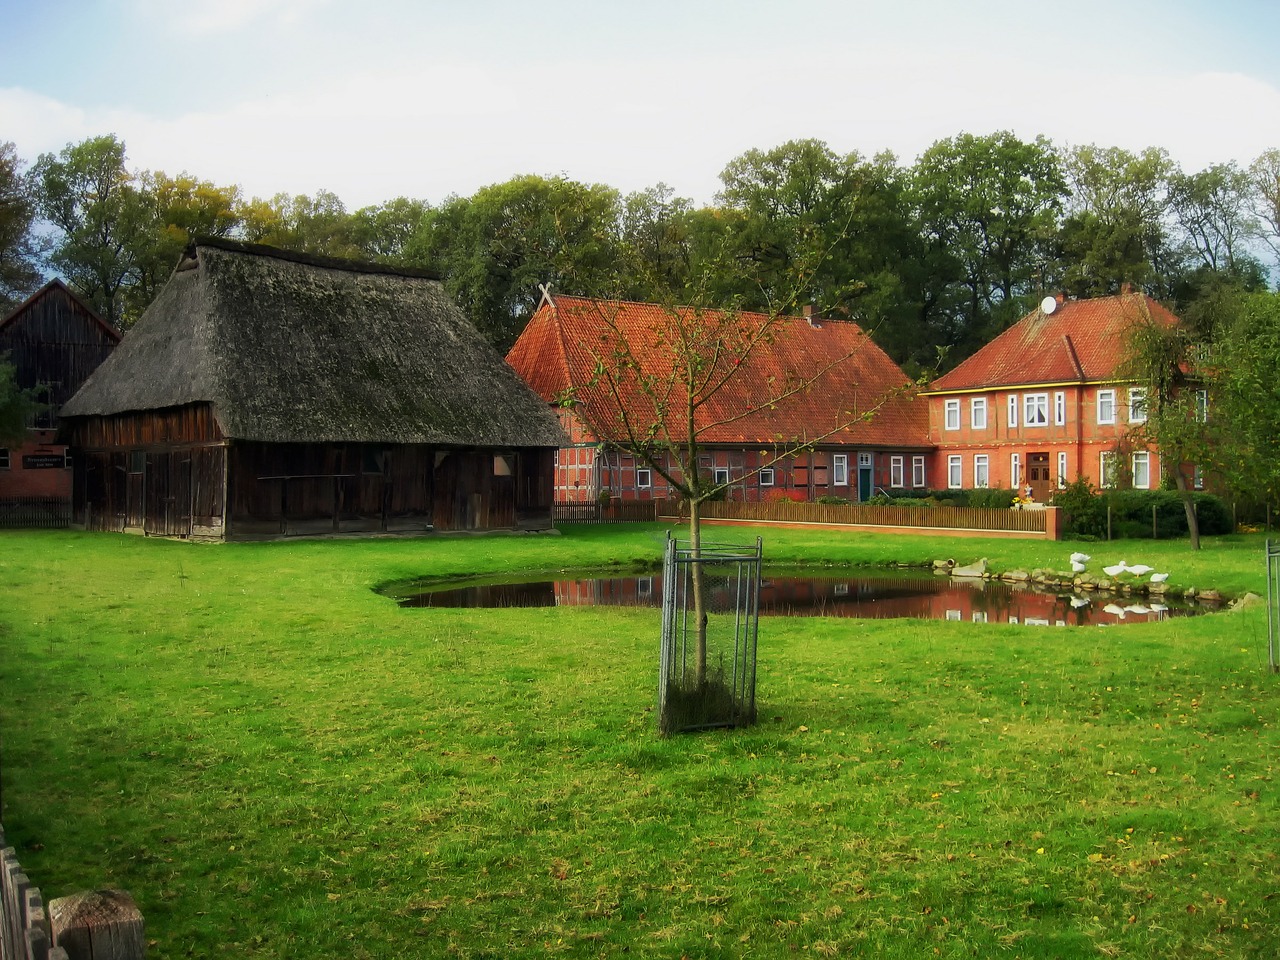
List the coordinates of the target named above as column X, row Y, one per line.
column 19, row 270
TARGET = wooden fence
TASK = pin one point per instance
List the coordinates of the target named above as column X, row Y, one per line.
column 25, row 932
column 42, row 513
column 963, row 520
column 616, row 511
column 97, row 925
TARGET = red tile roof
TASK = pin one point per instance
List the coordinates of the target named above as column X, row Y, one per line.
column 568, row 338
column 1081, row 341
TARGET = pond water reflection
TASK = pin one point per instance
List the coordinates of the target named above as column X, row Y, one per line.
column 794, row 595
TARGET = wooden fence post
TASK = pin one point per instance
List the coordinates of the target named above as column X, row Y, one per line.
column 99, row 925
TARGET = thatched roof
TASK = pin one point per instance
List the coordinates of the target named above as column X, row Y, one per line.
column 292, row 348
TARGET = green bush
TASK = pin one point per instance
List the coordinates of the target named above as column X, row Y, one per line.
column 834, row 501
column 992, row 497
column 1085, row 513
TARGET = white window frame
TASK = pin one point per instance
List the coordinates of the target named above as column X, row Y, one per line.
column 1142, row 457
column 720, row 476
column 897, row 472
column 981, row 471
column 1035, row 410
column 840, row 470
column 1059, row 408
column 955, row 471
column 1013, row 410
column 644, row 478
column 1107, row 398
column 1062, row 469
column 766, row 477
column 1197, row 477
column 951, row 415
column 1137, row 404
column 1202, row 406
column 67, row 462
column 1015, row 470
column 978, row 413
column 1106, row 470
column 917, row 472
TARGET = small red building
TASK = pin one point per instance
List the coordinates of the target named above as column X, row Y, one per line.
column 1044, row 403
column 54, row 340
column 864, row 429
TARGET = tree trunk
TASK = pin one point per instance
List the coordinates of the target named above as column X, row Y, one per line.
column 699, row 591
column 1188, row 505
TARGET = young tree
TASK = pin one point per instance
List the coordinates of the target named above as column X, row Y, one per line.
column 1165, row 361
column 19, row 273
column 663, row 386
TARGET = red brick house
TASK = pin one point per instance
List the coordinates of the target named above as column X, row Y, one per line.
column 745, row 426
column 1044, row 404
column 54, row 341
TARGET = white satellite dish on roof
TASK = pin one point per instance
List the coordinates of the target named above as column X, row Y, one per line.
column 1048, row 305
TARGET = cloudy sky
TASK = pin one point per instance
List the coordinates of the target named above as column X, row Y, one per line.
column 382, row 98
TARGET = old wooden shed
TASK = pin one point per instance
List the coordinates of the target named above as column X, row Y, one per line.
column 269, row 394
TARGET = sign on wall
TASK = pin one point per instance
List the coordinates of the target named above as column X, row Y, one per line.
column 43, row 461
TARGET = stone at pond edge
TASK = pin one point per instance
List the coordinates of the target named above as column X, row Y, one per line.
column 977, row 569
column 1247, row 601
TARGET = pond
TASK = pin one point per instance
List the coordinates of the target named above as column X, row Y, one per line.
column 792, row 594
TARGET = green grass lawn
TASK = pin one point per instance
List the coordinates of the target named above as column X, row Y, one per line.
column 277, row 762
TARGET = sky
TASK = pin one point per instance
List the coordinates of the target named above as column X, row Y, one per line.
column 374, row 99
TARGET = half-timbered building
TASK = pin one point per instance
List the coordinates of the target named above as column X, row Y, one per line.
column 267, row 394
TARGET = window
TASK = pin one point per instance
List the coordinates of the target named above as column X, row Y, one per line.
column 1137, row 405
column 67, row 462
column 978, row 413
column 720, row 475
column 1202, row 406
column 896, row 476
column 1015, row 469
column 1013, row 409
column 766, row 476
column 1059, row 408
column 1197, row 477
column 137, row 461
column 979, row 616
column 4, row 458
column 981, row 470
column 1035, row 410
column 953, row 615
column 1106, row 406
column 644, row 478
column 1062, row 469
column 952, row 417
column 840, row 468
column 917, row 471
column 1107, row 469
column 1142, row 470
column 954, row 477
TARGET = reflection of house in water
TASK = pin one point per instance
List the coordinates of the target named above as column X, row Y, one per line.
column 873, row 598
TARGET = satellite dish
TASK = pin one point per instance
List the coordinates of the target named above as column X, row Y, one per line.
column 1048, row 305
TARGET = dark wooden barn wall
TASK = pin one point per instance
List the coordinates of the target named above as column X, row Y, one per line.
column 172, row 473
column 54, row 343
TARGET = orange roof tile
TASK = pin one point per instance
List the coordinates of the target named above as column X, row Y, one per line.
column 570, row 337
column 1082, row 341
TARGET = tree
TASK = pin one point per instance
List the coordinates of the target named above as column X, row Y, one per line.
column 988, row 208
column 384, row 233
column 316, row 224
column 1115, row 230
column 19, row 272
column 1164, row 361
column 659, row 391
column 496, row 247
column 1246, row 396
column 1212, row 207
column 88, row 194
column 656, row 242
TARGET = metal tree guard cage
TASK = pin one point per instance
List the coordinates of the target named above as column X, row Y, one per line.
column 1273, row 605
column 710, row 617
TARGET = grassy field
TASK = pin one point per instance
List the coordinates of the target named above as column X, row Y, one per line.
column 277, row 762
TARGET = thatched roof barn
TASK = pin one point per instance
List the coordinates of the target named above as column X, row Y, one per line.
column 321, row 395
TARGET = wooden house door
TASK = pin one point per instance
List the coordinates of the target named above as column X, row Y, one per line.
column 1038, row 476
